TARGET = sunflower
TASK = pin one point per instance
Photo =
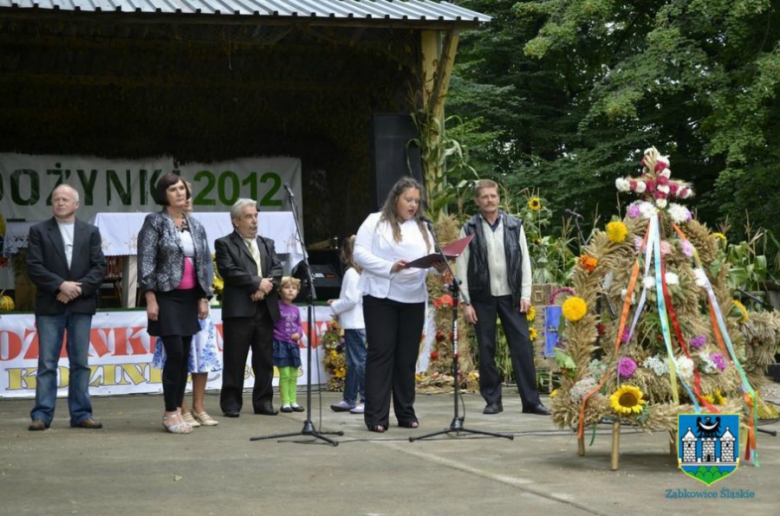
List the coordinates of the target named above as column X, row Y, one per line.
column 574, row 308
column 627, row 400
column 532, row 333
column 531, row 314
column 720, row 399
column 722, row 238
column 617, row 232
column 554, row 393
column 535, row 204
column 709, row 398
column 741, row 308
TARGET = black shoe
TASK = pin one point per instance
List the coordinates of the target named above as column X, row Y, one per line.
column 298, row 408
column 232, row 413
column 493, row 408
column 266, row 410
column 539, row 410
column 287, row 409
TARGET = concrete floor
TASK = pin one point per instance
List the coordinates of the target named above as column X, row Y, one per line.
column 133, row 467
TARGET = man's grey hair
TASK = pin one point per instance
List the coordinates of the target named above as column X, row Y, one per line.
column 65, row 185
column 238, row 207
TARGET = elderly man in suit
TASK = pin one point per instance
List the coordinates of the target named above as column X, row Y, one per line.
column 252, row 273
column 65, row 261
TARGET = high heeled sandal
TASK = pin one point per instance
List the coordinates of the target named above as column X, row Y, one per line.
column 176, row 428
column 188, row 418
column 377, row 428
column 204, row 419
column 409, row 424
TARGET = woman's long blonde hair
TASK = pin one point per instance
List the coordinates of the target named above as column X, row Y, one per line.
column 388, row 209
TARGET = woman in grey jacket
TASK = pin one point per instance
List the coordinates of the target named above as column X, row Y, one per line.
column 175, row 278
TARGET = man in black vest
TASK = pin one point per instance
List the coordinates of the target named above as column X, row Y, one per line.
column 495, row 272
column 65, row 261
column 252, row 272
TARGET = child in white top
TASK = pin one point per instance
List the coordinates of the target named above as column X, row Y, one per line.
column 349, row 309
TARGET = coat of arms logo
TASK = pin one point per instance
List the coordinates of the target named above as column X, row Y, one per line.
column 708, row 445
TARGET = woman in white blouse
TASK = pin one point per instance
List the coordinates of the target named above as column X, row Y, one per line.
column 394, row 298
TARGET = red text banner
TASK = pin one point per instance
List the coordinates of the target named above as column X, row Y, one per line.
column 120, row 354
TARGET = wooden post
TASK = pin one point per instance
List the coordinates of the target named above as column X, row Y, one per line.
column 581, row 446
column 438, row 58
column 615, row 445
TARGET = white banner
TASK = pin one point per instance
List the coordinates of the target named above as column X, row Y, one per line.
column 121, row 354
column 26, row 183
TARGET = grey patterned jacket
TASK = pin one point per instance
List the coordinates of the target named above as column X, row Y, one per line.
column 161, row 257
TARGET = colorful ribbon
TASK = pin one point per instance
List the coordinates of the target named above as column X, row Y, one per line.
column 659, row 282
column 618, row 339
column 684, row 346
column 724, row 340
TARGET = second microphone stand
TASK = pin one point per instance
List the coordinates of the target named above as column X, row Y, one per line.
column 457, row 421
column 308, row 426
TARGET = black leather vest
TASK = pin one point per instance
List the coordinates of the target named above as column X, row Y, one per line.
column 478, row 272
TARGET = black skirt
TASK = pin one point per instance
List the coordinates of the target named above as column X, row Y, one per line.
column 178, row 315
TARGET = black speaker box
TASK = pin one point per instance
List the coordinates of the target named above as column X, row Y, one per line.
column 327, row 282
column 392, row 156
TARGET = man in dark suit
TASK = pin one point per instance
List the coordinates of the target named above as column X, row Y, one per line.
column 252, row 273
column 65, row 261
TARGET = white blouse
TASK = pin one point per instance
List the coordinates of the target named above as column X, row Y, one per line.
column 349, row 305
column 376, row 252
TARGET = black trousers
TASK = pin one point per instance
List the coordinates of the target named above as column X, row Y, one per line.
column 242, row 334
column 175, row 370
column 521, row 349
column 393, row 333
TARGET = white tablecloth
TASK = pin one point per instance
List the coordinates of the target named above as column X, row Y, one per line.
column 120, row 231
column 15, row 237
column 120, row 238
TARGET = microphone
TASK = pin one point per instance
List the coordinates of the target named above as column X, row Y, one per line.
column 572, row 213
column 289, row 190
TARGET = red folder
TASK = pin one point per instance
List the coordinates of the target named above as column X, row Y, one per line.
column 452, row 250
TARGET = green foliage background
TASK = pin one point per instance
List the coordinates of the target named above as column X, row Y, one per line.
column 564, row 95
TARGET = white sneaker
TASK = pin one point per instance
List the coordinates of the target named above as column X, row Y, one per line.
column 359, row 409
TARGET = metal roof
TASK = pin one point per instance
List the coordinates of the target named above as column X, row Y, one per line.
column 335, row 10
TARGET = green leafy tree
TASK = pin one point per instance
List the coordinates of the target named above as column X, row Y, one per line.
column 574, row 90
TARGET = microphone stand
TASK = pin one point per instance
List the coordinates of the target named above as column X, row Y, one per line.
column 457, row 421
column 308, row 426
column 756, row 299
